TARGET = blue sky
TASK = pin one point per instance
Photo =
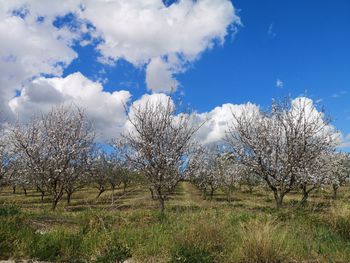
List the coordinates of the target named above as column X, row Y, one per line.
column 305, row 44
column 280, row 48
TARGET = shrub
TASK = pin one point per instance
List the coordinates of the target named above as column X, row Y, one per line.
column 262, row 243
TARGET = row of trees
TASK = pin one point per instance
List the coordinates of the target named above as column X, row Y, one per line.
column 287, row 147
column 291, row 146
column 218, row 169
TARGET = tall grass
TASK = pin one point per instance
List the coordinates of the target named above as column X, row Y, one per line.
column 262, row 242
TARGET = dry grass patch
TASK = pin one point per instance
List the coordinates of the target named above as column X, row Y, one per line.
column 262, row 242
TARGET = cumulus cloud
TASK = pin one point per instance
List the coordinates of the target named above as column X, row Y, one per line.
column 28, row 48
column 105, row 109
column 143, row 32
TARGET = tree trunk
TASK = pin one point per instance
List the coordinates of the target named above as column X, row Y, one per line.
column 124, row 187
column 335, row 191
column 69, row 197
column 25, row 191
column 152, row 192
column 161, row 200
column 305, row 197
column 54, row 203
column 211, row 192
column 306, row 194
column 56, row 199
column 162, row 204
column 229, row 199
column 38, row 189
column 14, row 189
column 100, row 193
column 279, row 199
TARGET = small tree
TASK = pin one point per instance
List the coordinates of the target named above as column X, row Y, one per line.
column 100, row 172
column 55, row 148
column 281, row 144
column 205, row 170
column 158, row 143
column 70, row 139
column 31, row 158
column 232, row 173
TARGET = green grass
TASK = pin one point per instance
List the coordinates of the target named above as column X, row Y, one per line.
column 248, row 229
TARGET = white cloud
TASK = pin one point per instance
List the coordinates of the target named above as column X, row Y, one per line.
column 143, row 31
column 140, row 30
column 219, row 119
column 105, row 109
column 159, row 76
column 29, row 48
column 279, row 83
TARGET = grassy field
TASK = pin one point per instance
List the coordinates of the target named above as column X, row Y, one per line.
column 248, row 229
